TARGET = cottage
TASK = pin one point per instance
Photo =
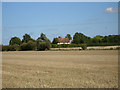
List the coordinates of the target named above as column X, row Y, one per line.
column 64, row 40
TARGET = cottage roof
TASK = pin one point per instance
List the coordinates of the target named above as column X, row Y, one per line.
column 63, row 40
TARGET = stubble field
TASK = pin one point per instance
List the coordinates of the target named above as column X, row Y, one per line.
column 60, row 69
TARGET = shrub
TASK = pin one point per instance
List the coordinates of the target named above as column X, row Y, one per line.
column 54, row 45
column 84, row 46
column 43, row 46
column 28, row 46
column 13, row 47
column 103, row 44
column 59, row 46
column 118, row 48
column 31, row 45
column 10, row 48
column 66, row 45
column 111, row 48
column 5, row 48
column 23, row 46
column 17, row 47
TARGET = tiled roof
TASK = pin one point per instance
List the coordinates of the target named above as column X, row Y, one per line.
column 63, row 40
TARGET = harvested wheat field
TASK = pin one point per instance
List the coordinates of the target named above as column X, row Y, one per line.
column 60, row 69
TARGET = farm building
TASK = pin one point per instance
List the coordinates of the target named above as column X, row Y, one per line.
column 63, row 40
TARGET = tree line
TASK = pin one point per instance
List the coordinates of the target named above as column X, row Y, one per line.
column 110, row 39
column 27, row 43
column 43, row 43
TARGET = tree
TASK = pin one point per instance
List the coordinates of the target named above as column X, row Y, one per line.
column 15, row 40
column 43, row 42
column 111, row 39
column 99, row 37
column 79, row 38
column 55, row 41
column 105, row 39
column 27, row 38
column 95, row 40
column 31, row 45
column 23, row 46
column 69, row 36
column 43, row 46
column 43, row 38
column 28, row 46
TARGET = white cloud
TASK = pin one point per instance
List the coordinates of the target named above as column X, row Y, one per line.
column 111, row 10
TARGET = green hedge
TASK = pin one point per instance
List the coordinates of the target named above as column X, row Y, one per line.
column 66, row 45
column 5, row 48
column 10, row 48
column 103, row 44
column 81, row 45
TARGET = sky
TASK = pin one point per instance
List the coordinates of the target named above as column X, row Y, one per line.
column 58, row 19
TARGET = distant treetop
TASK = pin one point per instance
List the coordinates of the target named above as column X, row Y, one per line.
column 15, row 40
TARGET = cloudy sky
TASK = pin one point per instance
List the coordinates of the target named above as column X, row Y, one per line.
column 58, row 19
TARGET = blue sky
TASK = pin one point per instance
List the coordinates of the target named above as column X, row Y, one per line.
column 58, row 19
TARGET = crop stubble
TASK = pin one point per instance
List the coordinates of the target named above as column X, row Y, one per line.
column 60, row 69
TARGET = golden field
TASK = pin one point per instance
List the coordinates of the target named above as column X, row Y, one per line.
column 60, row 69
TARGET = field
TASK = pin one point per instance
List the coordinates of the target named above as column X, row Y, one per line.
column 60, row 69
